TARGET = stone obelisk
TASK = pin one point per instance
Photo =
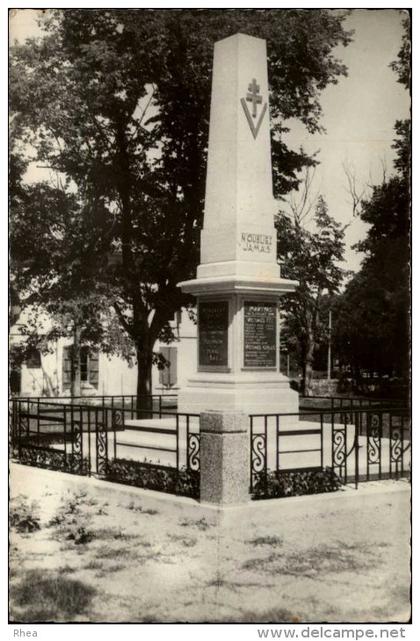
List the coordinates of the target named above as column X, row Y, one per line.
column 238, row 282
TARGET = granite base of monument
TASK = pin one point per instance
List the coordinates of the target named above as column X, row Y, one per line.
column 250, row 393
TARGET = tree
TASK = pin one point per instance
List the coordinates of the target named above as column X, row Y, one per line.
column 57, row 273
column 312, row 258
column 374, row 311
column 402, row 66
column 118, row 103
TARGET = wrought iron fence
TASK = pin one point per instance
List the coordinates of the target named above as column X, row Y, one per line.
column 157, row 403
column 49, row 435
column 312, row 452
column 162, row 454
column 163, row 403
column 156, row 448
column 152, row 449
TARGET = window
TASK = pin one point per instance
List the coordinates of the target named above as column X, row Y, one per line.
column 89, row 367
column 84, row 364
column 15, row 379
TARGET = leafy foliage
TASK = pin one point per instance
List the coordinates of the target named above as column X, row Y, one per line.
column 372, row 331
column 183, row 482
column 313, row 258
column 24, row 516
column 402, row 66
column 117, row 103
column 294, row 483
column 73, row 519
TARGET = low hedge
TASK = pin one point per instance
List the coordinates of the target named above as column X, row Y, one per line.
column 294, row 483
column 183, row 482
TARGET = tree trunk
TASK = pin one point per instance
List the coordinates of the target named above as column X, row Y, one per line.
column 307, row 379
column 144, row 403
column 75, row 389
column 308, row 367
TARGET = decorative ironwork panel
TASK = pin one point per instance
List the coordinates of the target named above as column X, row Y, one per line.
column 117, row 419
column 23, row 425
column 77, row 463
column 374, row 439
column 193, row 452
column 258, row 458
column 101, row 452
column 398, row 460
column 339, row 452
column 396, row 446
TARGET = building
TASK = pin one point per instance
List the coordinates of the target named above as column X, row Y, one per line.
column 49, row 374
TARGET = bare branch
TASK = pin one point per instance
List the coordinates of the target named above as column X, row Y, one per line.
column 356, row 192
column 384, row 167
column 302, row 205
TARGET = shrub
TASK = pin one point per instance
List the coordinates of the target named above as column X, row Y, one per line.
column 154, row 477
column 72, row 519
column 295, row 483
column 23, row 515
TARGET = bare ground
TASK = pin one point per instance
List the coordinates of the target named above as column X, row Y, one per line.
column 108, row 554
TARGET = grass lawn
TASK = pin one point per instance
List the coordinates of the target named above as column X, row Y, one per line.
column 80, row 551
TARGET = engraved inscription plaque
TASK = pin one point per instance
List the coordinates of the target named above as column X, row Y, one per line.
column 260, row 334
column 256, row 243
column 213, row 322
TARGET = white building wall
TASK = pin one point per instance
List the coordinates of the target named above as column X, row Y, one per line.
column 116, row 377
column 41, row 381
column 186, row 332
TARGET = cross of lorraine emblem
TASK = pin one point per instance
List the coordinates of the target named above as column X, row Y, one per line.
column 253, row 96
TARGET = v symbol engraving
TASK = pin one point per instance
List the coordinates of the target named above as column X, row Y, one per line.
column 254, row 129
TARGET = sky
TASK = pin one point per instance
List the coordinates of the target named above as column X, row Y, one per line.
column 359, row 116
column 359, row 113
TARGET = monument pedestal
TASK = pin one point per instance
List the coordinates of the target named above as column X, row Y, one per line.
column 238, row 355
column 250, row 394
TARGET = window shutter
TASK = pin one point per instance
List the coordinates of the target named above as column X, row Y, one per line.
column 93, row 369
column 66, row 369
column 173, row 358
column 168, row 375
column 163, row 373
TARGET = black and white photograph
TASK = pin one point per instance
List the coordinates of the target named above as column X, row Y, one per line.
column 209, row 319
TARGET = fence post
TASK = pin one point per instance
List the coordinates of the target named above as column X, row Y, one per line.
column 65, row 434
column 356, row 452
column 224, row 457
column 13, row 424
